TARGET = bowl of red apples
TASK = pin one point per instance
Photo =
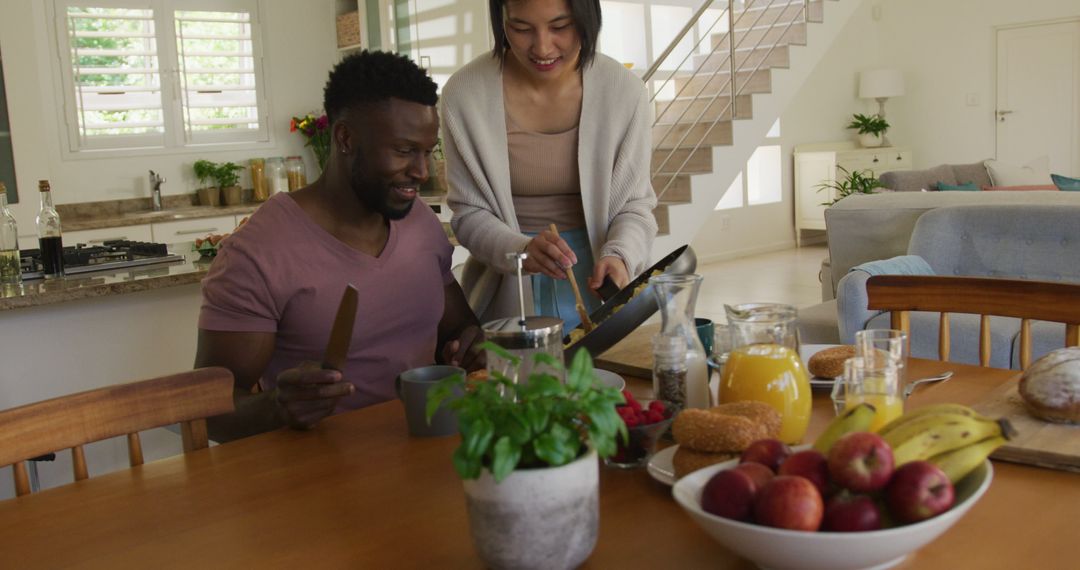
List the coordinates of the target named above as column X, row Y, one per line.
column 846, row 503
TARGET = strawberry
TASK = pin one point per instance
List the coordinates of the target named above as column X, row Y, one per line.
column 658, row 406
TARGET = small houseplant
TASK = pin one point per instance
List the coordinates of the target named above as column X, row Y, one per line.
column 871, row 129
column 209, row 195
column 528, row 459
column 228, row 181
column 316, row 133
column 854, row 182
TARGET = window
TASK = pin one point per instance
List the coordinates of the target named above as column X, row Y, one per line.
column 168, row 73
column 763, row 176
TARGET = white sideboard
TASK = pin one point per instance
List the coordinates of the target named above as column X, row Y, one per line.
column 818, row 163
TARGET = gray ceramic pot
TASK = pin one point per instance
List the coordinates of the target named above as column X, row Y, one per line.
column 536, row 518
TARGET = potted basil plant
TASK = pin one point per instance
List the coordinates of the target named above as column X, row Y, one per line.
column 871, row 129
column 528, row 459
column 209, row 195
column 228, row 181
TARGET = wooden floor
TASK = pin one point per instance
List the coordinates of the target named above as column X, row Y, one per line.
column 788, row 276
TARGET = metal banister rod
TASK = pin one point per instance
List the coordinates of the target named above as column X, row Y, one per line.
column 678, row 38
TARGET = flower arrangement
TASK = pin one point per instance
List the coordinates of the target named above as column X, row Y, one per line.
column 316, row 132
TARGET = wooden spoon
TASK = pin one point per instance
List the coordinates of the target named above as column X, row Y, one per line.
column 578, row 303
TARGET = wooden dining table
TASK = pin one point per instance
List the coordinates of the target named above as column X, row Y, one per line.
column 358, row 492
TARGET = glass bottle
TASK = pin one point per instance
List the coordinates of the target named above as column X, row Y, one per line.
column 677, row 349
column 294, row 171
column 10, row 272
column 49, row 238
column 275, row 175
column 259, row 190
column 764, row 365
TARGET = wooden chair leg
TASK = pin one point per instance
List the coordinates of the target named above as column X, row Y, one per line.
column 78, row 462
column 194, row 435
column 944, row 342
column 1072, row 335
column 135, row 455
column 1025, row 343
column 22, row 479
column 984, row 340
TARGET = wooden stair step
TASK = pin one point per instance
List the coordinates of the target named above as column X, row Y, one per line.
column 768, row 56
column 759, row 81
column 779, row 35
column 690, row 134
column 697, row 161
column 663, row 220
column 678, row 191
column 781, row 12
column 714, row 108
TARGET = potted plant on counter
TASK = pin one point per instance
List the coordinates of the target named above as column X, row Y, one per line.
column 871, row 129
column 854, row 182
column 205, row 171
column 228, row 180
column 528, row 460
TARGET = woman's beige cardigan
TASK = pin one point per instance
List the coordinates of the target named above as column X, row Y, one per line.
column 614, row 151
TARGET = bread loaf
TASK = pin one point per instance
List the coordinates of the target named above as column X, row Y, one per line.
column 1051, row 386
column 829, row 363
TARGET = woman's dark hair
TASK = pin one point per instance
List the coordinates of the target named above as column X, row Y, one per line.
column 586, row 15
column 374, row 76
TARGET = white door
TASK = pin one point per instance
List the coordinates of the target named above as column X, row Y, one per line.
column 1038, row 95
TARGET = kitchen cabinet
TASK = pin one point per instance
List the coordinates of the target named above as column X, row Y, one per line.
column 188, row 230
column 101, row 235
column 819, row 163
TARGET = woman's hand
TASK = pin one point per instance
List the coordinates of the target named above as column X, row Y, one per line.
column 549, row 255
column 609, row 266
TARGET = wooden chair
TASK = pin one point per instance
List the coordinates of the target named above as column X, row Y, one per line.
column 125, row 409
column 984, row 296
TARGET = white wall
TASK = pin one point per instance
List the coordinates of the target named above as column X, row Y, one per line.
column 946, row 51
column 299, row 47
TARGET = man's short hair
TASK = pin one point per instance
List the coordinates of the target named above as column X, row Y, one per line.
column 372, row 77
column 587, row 20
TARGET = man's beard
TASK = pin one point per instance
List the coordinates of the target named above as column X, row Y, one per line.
column 375, row 195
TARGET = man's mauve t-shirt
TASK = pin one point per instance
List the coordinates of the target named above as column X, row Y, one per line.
column 282, row 273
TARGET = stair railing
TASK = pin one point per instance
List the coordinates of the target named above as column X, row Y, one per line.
column 732, row 84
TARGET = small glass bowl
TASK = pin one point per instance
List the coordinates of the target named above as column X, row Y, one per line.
column 640, row 445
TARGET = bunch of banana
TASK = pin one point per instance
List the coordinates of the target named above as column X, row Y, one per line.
column 854, row 419
column 949, row 435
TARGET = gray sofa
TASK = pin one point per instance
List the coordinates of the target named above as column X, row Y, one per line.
column 1034, row 242
column 928, row 179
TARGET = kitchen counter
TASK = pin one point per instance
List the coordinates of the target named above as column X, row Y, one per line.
column 90, row 285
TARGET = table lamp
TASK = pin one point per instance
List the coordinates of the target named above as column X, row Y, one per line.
column 881, row 84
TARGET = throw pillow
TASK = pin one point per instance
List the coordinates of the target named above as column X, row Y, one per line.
column 1015, row 188
column 966, row 187
column 1036, row 172
column 1066, row 183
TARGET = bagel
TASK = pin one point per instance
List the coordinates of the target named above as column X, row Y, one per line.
column 829, row 363
column 725, row 428
column 687, row 460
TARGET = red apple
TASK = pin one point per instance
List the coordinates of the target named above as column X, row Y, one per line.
column 789, row 502
column 729, row 494
column 861, row 461
column 919, row 490
column 811, row 464
column 768, row 452
column 758, row 473
column 851, row 513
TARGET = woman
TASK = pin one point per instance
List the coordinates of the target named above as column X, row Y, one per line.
column 544, row 130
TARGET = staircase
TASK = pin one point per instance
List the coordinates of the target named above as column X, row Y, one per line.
column 707, row 126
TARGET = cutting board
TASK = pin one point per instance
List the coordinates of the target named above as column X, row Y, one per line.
column 631, row 356
column 1040, row 443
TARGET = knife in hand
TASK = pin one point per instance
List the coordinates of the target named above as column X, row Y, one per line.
column 337, row 350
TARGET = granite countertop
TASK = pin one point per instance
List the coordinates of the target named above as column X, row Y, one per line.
column 91, row 285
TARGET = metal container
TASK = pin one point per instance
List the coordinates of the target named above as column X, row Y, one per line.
column 524, row 340
column 627, row 309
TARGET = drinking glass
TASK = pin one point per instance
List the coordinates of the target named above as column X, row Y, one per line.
column 873, row 382
column 884, row 344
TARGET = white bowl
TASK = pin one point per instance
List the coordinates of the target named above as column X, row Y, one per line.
column 610, row 379
column 780, row 549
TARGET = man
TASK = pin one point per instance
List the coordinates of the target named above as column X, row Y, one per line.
column 272, row 293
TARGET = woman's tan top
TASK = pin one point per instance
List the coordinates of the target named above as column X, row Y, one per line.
column 544, row 181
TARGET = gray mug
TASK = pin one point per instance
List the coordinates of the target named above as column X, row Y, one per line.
column 412, row 388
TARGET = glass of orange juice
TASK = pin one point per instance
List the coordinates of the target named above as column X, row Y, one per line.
column 872, row 382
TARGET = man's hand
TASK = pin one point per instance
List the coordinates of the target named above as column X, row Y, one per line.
column 463, row 352
column 308, row 393
column 609, row 266
column 549, row 255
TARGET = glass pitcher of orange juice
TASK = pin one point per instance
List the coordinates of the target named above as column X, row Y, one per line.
column 764, row 365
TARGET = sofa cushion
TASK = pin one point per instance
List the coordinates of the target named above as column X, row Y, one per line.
column 971, row 173
column 1066, row 183
column 1020, row 188
column 917, row 180
column 965, row 187
column 1035, row 172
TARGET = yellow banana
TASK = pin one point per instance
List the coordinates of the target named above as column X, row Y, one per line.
column 927, row 411
column 857, row 418
column 923, row 438
column 959, row 462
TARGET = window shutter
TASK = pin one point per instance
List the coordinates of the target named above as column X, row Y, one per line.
column 218, row 76
column 116, row 76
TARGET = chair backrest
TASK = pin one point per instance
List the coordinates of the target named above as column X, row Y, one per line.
column 72, row 421
column 984, row 296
